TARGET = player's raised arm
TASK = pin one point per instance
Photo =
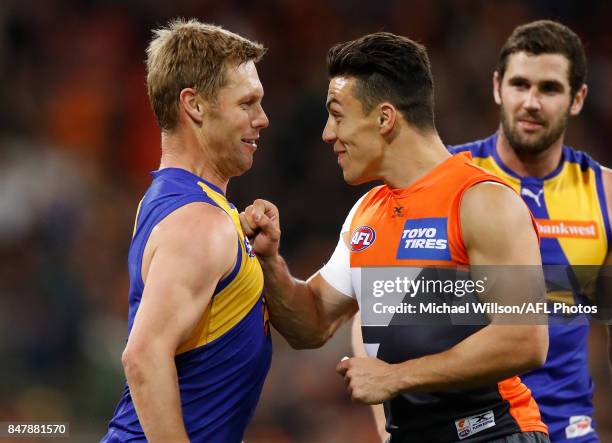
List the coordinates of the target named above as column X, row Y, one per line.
column 183, row 261
column 306, row 313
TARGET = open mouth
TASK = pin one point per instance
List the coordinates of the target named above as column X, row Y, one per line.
column 340, row 155
column 250, row 141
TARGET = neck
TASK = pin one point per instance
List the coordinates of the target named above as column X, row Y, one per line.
column 411, row 156
column 527, row 164
column 181, row 149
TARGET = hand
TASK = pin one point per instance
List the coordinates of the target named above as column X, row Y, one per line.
column 261, row 224
column 368, row 380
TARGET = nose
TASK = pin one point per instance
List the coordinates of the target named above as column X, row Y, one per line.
column 532, row 100
column 329, row 132
column 261, row 120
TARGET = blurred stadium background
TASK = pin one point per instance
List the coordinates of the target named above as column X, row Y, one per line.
column 77, row 140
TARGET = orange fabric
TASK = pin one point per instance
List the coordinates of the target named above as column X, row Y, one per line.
column 437, row 195
column 522, row 405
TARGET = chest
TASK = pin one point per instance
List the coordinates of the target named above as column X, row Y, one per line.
column 394, row 231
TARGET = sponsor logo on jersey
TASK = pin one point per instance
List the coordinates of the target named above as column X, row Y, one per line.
column 398, row 211
column 535, row 196
column 362, row 237
column 567, row 229
column 424, row 238
column 579, row 425
column 473, row 424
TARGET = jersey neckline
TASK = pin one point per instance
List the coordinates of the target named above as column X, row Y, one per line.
column 180, row 173
column 525, row 178
column 420, row 182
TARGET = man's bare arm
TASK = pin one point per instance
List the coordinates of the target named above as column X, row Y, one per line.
column 306, row 313
column 185, row 257
column 497, row 230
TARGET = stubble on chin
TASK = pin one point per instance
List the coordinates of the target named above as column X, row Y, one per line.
column 522, row 144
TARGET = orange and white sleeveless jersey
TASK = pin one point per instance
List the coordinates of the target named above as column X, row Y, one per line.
column 419, row 227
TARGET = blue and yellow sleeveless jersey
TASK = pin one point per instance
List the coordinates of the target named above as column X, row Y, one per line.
column 222, row 366
column 570, row 210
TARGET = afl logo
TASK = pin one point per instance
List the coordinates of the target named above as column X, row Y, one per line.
column 362, row 237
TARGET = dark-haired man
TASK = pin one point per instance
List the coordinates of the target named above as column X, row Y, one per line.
column 538, row 84
column 438, row 384
column 540, row 81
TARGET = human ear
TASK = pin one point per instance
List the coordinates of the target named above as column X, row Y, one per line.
column 193, row 105
column 578, row 101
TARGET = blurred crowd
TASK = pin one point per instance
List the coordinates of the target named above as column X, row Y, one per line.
column 77, row 140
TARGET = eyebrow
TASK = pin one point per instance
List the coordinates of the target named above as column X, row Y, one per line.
column 252, row 95
column 330, row 102
column 547, row 83
column 555, row 84
column 518, row 78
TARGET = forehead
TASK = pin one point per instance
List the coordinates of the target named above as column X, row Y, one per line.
column 339, row 91
column 538, row 67
column 242, row 78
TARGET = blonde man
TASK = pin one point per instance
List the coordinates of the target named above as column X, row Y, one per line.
column 199, row 347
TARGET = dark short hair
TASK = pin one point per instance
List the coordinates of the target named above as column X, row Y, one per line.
column 390, row 68
column 547, row 37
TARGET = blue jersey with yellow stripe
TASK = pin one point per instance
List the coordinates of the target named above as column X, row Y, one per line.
column 570, row 210
column 221, row 367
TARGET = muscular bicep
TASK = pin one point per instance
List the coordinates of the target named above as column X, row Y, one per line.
column 334, row 307
column 503, row 250
column 194, row 248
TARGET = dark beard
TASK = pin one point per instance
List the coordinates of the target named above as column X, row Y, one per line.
column 537, row 146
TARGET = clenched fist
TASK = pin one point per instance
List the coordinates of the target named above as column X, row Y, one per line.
column 368, row 380
column 261, row 224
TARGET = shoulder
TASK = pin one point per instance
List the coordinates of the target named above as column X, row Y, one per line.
column 497, row 227
column 585, row 161
column 197, row 229
column 490, row 208
column 478, row 148
column 606, row 178
column 493, row 197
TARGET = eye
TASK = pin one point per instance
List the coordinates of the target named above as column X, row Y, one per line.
column 551, row 87
column 519, row 83
column 335, row 114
